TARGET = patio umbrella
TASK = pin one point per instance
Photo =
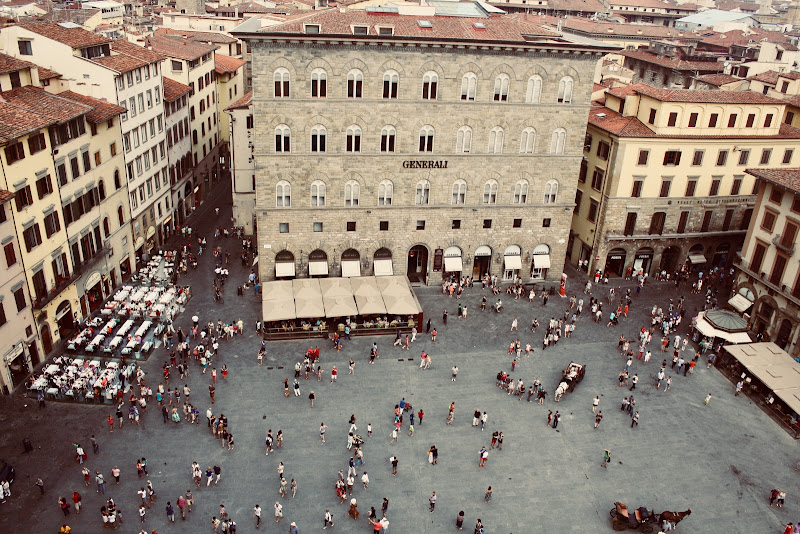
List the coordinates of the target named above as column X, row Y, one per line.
column 726, row 321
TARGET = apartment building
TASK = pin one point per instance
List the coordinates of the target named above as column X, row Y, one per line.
column 192, row 63
column 230, row 88
column 179, row 151
column 19, row 342
column 663, row 182
column 243, row 166
column 767, row 275
column 122, row 73
column 398, row 140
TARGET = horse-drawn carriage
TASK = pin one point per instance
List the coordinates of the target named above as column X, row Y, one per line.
column 642, row 519
column 570, row 377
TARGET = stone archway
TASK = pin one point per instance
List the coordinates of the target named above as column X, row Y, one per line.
column 417, row 265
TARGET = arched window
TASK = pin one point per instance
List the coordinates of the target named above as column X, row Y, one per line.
column 355, row 83
column 426, row 139
column 496, row 140
column 283, row 194
column 464, row 140
column 521, row 192
column 550, row 192
column 281, row 78
column 501, row 84
column 430, row 81
column 565, row 90
column 423, row 193
column 385, row 191
column 527, row 141
column 319, row 83
column 459, row 191
column 117, row 182
column 558, row 141
column 490, row 192
column 391, row 81
column 469, row 86
column 318, row 134
column 101, row 190
column 120, row 216
column 352, row 190
column 106, row 227
column 283, row 138
column 353, row 138
column 533, row 94
column 317, row 193
column 388, row 134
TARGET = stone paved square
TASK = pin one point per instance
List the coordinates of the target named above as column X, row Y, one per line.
column 720, row 460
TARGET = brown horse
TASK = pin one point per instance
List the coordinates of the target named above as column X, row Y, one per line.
column 674, row 517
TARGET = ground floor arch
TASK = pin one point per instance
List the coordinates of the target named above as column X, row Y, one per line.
column 284, row 265
column 351, row 263
column 642, row 260
column 318, row 264
column 540, row 261
column 453, row 262
column 615, row 262
column 417, row 263
column 382, row 262
column 482, row 262
column 669, row 259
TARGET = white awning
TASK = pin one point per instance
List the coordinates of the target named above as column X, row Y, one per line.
column 541, row 261
column 255, row 261
column 697, row 259
column 483, row 250
column 739, row 302
column 151, row 232
column 453, row 265
column 351, row 268
column 707, row 329
column 383, row 267
column 318, row 268
column 284, row 268
column 513, row 262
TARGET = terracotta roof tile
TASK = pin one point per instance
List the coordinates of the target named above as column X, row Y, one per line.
column 38, row 100
column 717, row 79
column 174, row 90
column 702, row 96
column 643, row 3
column 226, row 64
column 671, row 62
column 120, row 62
column 586, row 6
column 12, row 64
column 600, row 29
column 47, row 74
column 243, row 102
column 178, row 47
column 614, row 123
column 101, row 111
column 5, row 196
column 202, row 37
column 74, row 37
column 16, row 121
column 770, row 77
column 788, row 178
column 744, row 38
column 790, row 75
column 123, row 46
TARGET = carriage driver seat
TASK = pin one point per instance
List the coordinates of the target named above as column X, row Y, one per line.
column 641, row 514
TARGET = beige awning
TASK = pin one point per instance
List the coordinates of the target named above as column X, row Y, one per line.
column 351, row 268
column 337, row 297
column 308, row 298
column 383, row 267
column 772, row 366
column 277, row 301
column 318, row 268
column 697, row 259
column 367, row 296
column 453, row 265
column 739, row 302
column 284, row 268
column 397, row 295
column 335, row 287
column 513, row 262
column 707, row 329
column 541, row 261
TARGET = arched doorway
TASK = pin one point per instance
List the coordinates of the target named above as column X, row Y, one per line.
column 512, row 262
column 784, row 332
column 47, row 339
column 540, row 261
column 66, row 322
column 417, row 266
column 720, row 258
column 351, row 263
column 453, row 263
column 615, row 262
column 482, row 263
column 763, row 319
column 382, row 262
column 697, row 257
column 669, row 259
column 284, row 265
column 642, row 261
column 318, row 264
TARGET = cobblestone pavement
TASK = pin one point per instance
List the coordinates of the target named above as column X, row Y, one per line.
column 721, row 459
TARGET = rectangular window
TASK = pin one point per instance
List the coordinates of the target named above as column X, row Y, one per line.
column 36, row 143
column 25, row 48
column 672, row 120
column 584, row 170
column 23, row 198
column 706, row 221
column 789, row 235
column 317, row 226
column 692, row 120
column 637, row 189
column 351, row 226
column 768, row 120
column 11, row 254
column 283, row 228
column 722, row 158
column 745, row 222
column 578, row 198
column 456, row 224
column 672, row 157
column 726, row 223
column 630, row 224
column 768, row 221
column 652, row 118
column 776, row 195
column 87, row 161
column 683, row 219
column 697, row 158
column 665, row 187
column 751, row 120
column 487, row 223
column 736, row 186
column 2, row 312
column 691, row 187
column 602, row 150
column 758, row 257
column 546, row 222
column 383, row 226
column 592, row 215
column 732, row 120
column 744, row 157
column 51, row 224
column 714, row 190
column 765, row 156
column 644, row 155
column 517, row 223
column 14, row 153
column 778, row 269
column 75, row 168
column 44, row 186
column 787, row 156
column 32, row 237
column 712, row 120
column 420, row 225
column 597, row 179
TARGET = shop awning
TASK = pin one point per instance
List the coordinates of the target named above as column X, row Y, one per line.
column 308, row 298
column 512, row 259
column 483, row 250
column 707, row 329
column 383, row 267
column 255, row 261
column 284, row 268
column 318, row 268
column 739, row 302
column 541, row 261
column 351, row 268
column 151, row 232
column 697, row 259
column 278, row 301
column 337, row 297
column 453, row 265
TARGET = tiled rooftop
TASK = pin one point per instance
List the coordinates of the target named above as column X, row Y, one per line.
column 38, row 100
column 123, row 46
column 12, row 64
column 16, row 121
column 717, row 79
column 671, row 62
column 243, row 102
column 121, row 62
column 180, row 48
column 101, row 111
column 202, row 37
column 174, row 90
column 788, row 178
column 226, row 64
column 5, row 196
column 47, row 74
column 702, row 96
column 74, row 37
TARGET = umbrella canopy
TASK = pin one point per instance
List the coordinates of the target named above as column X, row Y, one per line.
column 278, row 301
column 340, row 306
column 400, row 304
column 726, row 321
column 707, row 329
column 307, row 298
column 335, row 287
column 370, row 305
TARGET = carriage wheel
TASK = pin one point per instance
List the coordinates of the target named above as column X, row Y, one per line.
column 613, row 513
column 618, row 524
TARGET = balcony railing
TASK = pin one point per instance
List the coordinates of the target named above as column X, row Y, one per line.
column 778, row 242
column 63, row 283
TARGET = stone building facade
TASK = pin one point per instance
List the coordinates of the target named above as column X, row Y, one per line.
column 418, row 144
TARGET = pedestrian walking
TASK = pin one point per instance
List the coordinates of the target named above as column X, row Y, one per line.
column 708, row 399
column 487, row 496
column 170, row 511
column 595, row 403
column 432, row 501
column 606, row 458
column 597, row 418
